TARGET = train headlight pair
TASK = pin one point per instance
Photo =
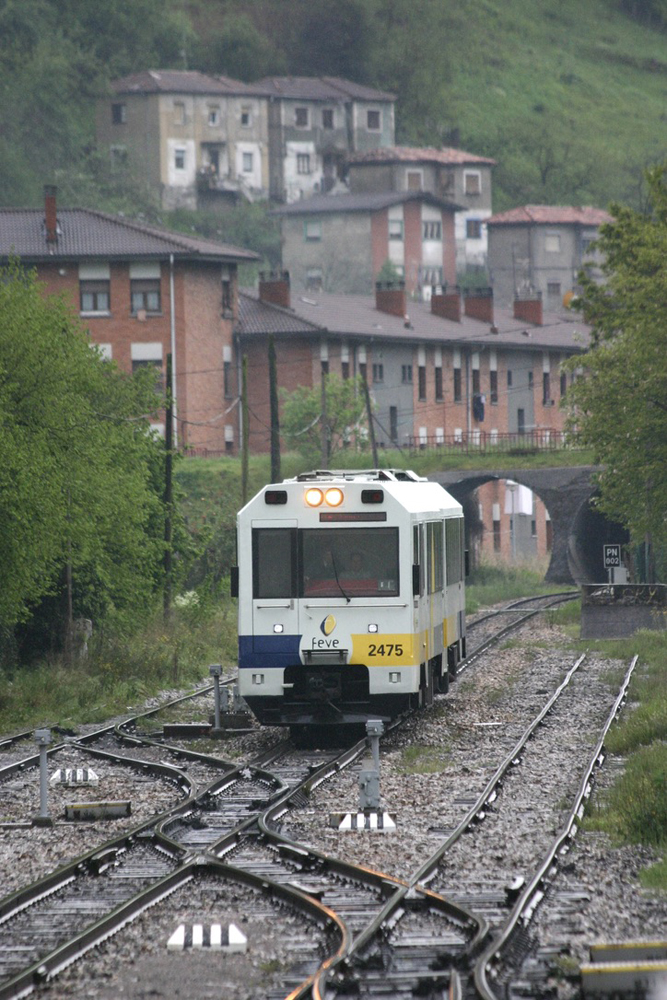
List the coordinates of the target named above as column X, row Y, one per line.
column 332, row 497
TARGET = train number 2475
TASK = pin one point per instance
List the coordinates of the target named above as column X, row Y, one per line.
column 386, row 649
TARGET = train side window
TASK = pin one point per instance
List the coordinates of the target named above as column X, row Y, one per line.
column 273, row 562
column 454, row 549
column 434, row 545
column 418, row 557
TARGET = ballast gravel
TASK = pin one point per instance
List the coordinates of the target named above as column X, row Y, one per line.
column 430, row 771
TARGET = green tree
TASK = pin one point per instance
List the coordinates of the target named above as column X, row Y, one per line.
column 619, row 407
column 80, row 510
column 302, row 418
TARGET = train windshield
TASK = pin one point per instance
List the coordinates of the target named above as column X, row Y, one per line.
column 349, row 562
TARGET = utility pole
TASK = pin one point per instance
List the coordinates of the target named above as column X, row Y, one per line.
column 324, row 425
column 275, row 416
column 246, row 430
column 369, row 417
column 168, row 495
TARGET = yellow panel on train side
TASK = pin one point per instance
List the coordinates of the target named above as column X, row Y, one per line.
column 386, row 650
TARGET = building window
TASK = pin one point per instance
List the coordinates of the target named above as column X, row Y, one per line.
column 373, row 121
column 393, row 423
column 227, row 378
column 395, row 229
column 314, row 279
column 213, row 116
column 303, row 163
column 493, row 386
column 247, row 163
column 422, row 382
column 553, row 292
column 475, row 381
column 563, row 383
column 530, row 380
column 438, row 385
column 145, row 294
column 118, row 157
column 472, row 182
column 496, row 536
column 587, row 245
column 406, row 373
column 414, row 180
column 118, row 114
column 312, row 230
column 226, row 302
column 430, row 276
column 94, row 296
column 378, row 373
column 179, row 159
column 546, row 388
column 457, row 385
column 509, row 378
column 179, row 113
column 473, row 229
column 327, row 118
column 301, row 117
column 246, row 118
column 552, row 243
column 432, row 230
column 345, row 369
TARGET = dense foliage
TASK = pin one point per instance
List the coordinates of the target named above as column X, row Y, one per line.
column 620, row 407
column 81, row 517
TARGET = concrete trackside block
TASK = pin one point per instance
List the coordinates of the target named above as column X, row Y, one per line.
column 186, row 730
column 371, row 820
column 624, row 979
column 199, row 936
column 97, row 810
column 74, row 776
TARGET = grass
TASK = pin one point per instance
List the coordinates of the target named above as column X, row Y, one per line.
column 490, row 584
column 419, row 758
column 120, row 673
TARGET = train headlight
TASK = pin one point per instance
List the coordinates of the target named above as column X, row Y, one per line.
column 372, row 628
column 334, row 497
column 314, row 497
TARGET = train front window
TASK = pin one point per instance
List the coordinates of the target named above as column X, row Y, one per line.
column 273, row 551
column 349, row 562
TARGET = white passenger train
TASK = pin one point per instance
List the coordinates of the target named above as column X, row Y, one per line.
column 351, row 596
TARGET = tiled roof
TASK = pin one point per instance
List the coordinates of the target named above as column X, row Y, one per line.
column 170, row 81
column 355, row 317
column 322, row 204
column 551, row 215
column 259, row 317
column 417, row 154
column 321, row 88
column 86, row 233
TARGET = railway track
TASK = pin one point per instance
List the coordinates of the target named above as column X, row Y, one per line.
column 359, row 931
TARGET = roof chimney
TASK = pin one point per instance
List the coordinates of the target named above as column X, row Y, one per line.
column 390, row 298
column 50, row 218
column 478, row 304
column 447, row 305
column 529, row 310
column 274, row 288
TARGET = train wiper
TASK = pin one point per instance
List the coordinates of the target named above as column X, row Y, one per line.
column 340, row 586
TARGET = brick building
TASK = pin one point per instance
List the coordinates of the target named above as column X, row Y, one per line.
column 453, row 370
column 143, row 293
column 340, row 242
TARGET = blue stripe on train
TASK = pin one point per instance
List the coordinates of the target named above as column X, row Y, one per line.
column 268, row 650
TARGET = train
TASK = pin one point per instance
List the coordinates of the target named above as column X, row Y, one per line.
column 351, row 597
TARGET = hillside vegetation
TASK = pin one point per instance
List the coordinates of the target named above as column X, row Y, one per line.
column 569, row 98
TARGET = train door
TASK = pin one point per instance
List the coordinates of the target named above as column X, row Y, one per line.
column 275, row 609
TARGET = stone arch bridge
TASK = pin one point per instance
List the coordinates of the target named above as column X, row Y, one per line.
column 579, row 531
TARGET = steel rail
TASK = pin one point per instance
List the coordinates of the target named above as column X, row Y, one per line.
column 430, row 866
column 528, row 900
